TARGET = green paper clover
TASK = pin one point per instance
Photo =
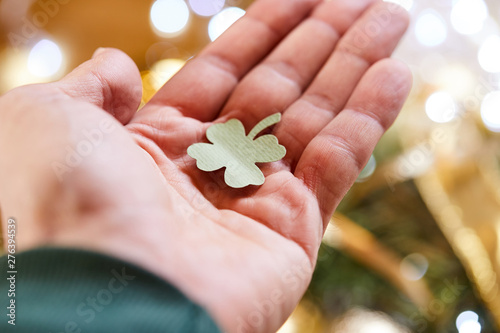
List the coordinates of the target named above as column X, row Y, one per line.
column 230, row 148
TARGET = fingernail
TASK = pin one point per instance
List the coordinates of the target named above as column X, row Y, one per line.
column 98, row 52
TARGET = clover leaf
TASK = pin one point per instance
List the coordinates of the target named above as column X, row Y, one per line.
column 232, row 149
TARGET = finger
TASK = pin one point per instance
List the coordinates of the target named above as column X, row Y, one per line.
column 282, row 77
column 213, row 75
column 110, row 80
column 371, row 39
column 332, row 161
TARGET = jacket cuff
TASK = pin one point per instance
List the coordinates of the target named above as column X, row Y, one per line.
column 75, row 291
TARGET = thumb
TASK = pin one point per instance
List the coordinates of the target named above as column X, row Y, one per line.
column 110, row 80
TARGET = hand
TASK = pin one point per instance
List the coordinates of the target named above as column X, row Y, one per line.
column 81, row 168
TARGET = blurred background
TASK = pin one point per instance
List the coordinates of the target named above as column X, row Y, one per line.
column 415, row 245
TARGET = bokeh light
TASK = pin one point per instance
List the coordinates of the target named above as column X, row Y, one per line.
column 489, row 54
column 468, row 16
column 470, row 327
column 222, row 21
column 207, row 7
column 466, row 316
column 45, row 59
column 414, row 266
column 490, row 111
column 169, row 16
column 164, row 70
column 368, row 170
column 441, row 107
column 431, row 29
column 288, row 327
column 366, row 321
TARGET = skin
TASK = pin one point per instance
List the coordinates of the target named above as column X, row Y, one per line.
column 246, row 255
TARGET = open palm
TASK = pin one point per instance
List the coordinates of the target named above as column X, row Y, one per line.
column 246, row 255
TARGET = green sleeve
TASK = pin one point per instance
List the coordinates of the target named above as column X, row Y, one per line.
column 75, row 291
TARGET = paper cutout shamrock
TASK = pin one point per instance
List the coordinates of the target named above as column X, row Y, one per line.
column 230, row 148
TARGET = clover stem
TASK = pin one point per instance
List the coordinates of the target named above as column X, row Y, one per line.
column 265, row 123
